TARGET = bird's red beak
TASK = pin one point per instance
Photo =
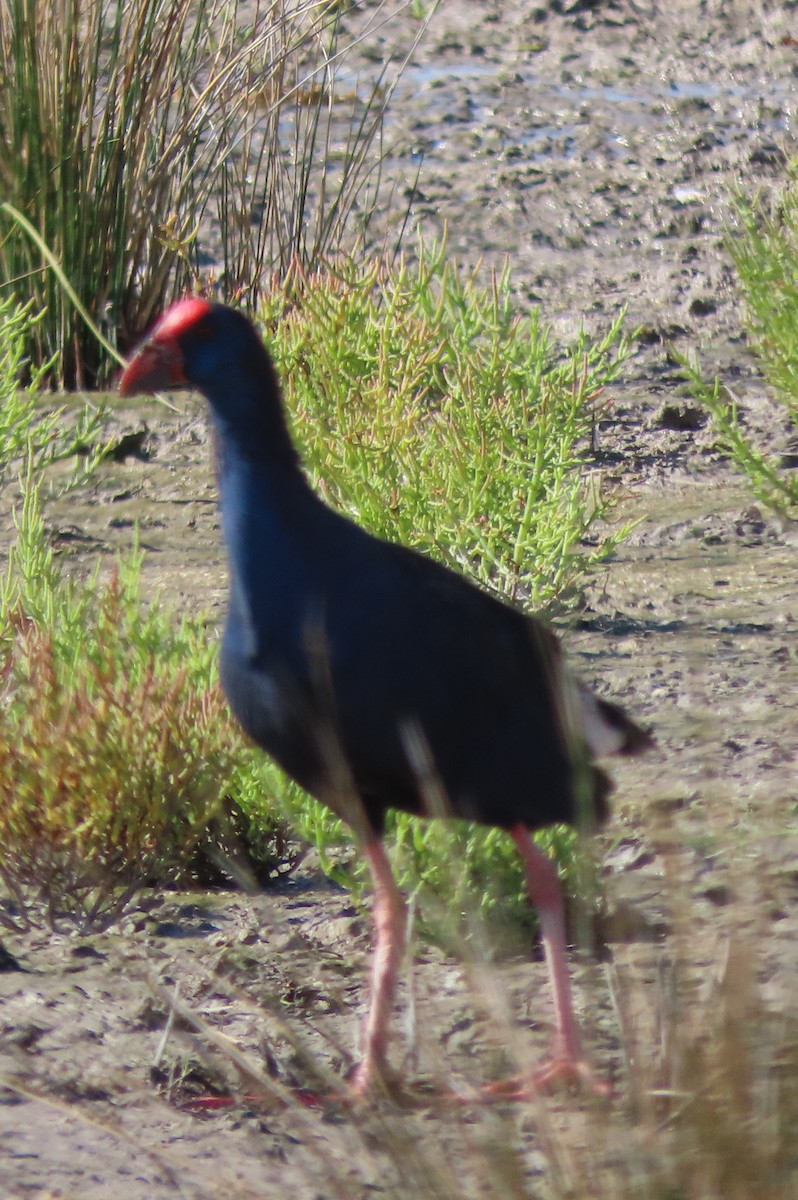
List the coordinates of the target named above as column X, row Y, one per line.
column 157, row 366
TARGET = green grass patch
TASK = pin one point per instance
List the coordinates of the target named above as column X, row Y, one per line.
column 764, row 248
column 765, row 253
column 120, row 763
column 119, row 759
column 434, row 415
column 28, row 435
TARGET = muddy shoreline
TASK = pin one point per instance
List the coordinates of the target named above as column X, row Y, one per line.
column 597, row 146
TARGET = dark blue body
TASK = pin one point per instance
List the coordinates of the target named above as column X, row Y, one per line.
column 341, row 652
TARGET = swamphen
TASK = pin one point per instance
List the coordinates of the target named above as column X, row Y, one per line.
column 376, row 677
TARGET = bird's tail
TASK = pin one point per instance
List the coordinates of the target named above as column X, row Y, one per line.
column 607, row 728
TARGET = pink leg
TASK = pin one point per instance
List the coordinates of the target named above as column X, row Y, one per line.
column 390, row 923
column 544, row 890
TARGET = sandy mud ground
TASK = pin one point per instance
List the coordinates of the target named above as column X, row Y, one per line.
column 597, row 146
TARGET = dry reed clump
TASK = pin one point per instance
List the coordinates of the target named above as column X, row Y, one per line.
column 141, row 141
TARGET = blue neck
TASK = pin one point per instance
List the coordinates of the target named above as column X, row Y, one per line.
column 272, row 522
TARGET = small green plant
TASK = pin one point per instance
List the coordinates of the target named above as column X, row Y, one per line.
column 27, row 435
column 117, row 750
column 764, row 249
column 449, row 867
column 115, row 743
column 457, row 868
column 120, row 763
column 106, row 776
column 433, row 414
column 33, row 442
column 775, row 487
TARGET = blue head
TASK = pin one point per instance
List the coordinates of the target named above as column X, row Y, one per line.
column 215, row 349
